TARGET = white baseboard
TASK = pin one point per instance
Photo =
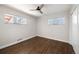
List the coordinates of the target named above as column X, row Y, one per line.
column 74, row 47
column 53, row 38
column 7, row 45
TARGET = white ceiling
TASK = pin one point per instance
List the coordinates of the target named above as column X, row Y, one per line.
column 47, row 8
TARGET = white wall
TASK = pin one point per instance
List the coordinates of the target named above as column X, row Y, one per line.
column 10, row 33
column 74, row 29
column 57, row 32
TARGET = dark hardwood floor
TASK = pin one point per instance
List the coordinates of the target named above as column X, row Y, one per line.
column 39, row 45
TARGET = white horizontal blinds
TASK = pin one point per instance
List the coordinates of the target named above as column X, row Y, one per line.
column 56, row 21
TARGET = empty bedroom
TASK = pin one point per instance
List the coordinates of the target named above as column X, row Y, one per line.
column 39, row 28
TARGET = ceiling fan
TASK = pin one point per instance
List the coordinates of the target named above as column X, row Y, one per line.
column 38, row 8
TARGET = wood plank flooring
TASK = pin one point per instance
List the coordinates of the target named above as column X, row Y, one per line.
column 39, row 45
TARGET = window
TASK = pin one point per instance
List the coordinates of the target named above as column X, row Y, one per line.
column 56, row 21
column 14, row 19
column 75, row 17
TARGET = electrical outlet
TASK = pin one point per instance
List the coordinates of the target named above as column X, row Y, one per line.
column 19, row 39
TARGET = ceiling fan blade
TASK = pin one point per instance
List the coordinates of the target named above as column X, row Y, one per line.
column 33, row 9
column 41, row 12
column 41, row 6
